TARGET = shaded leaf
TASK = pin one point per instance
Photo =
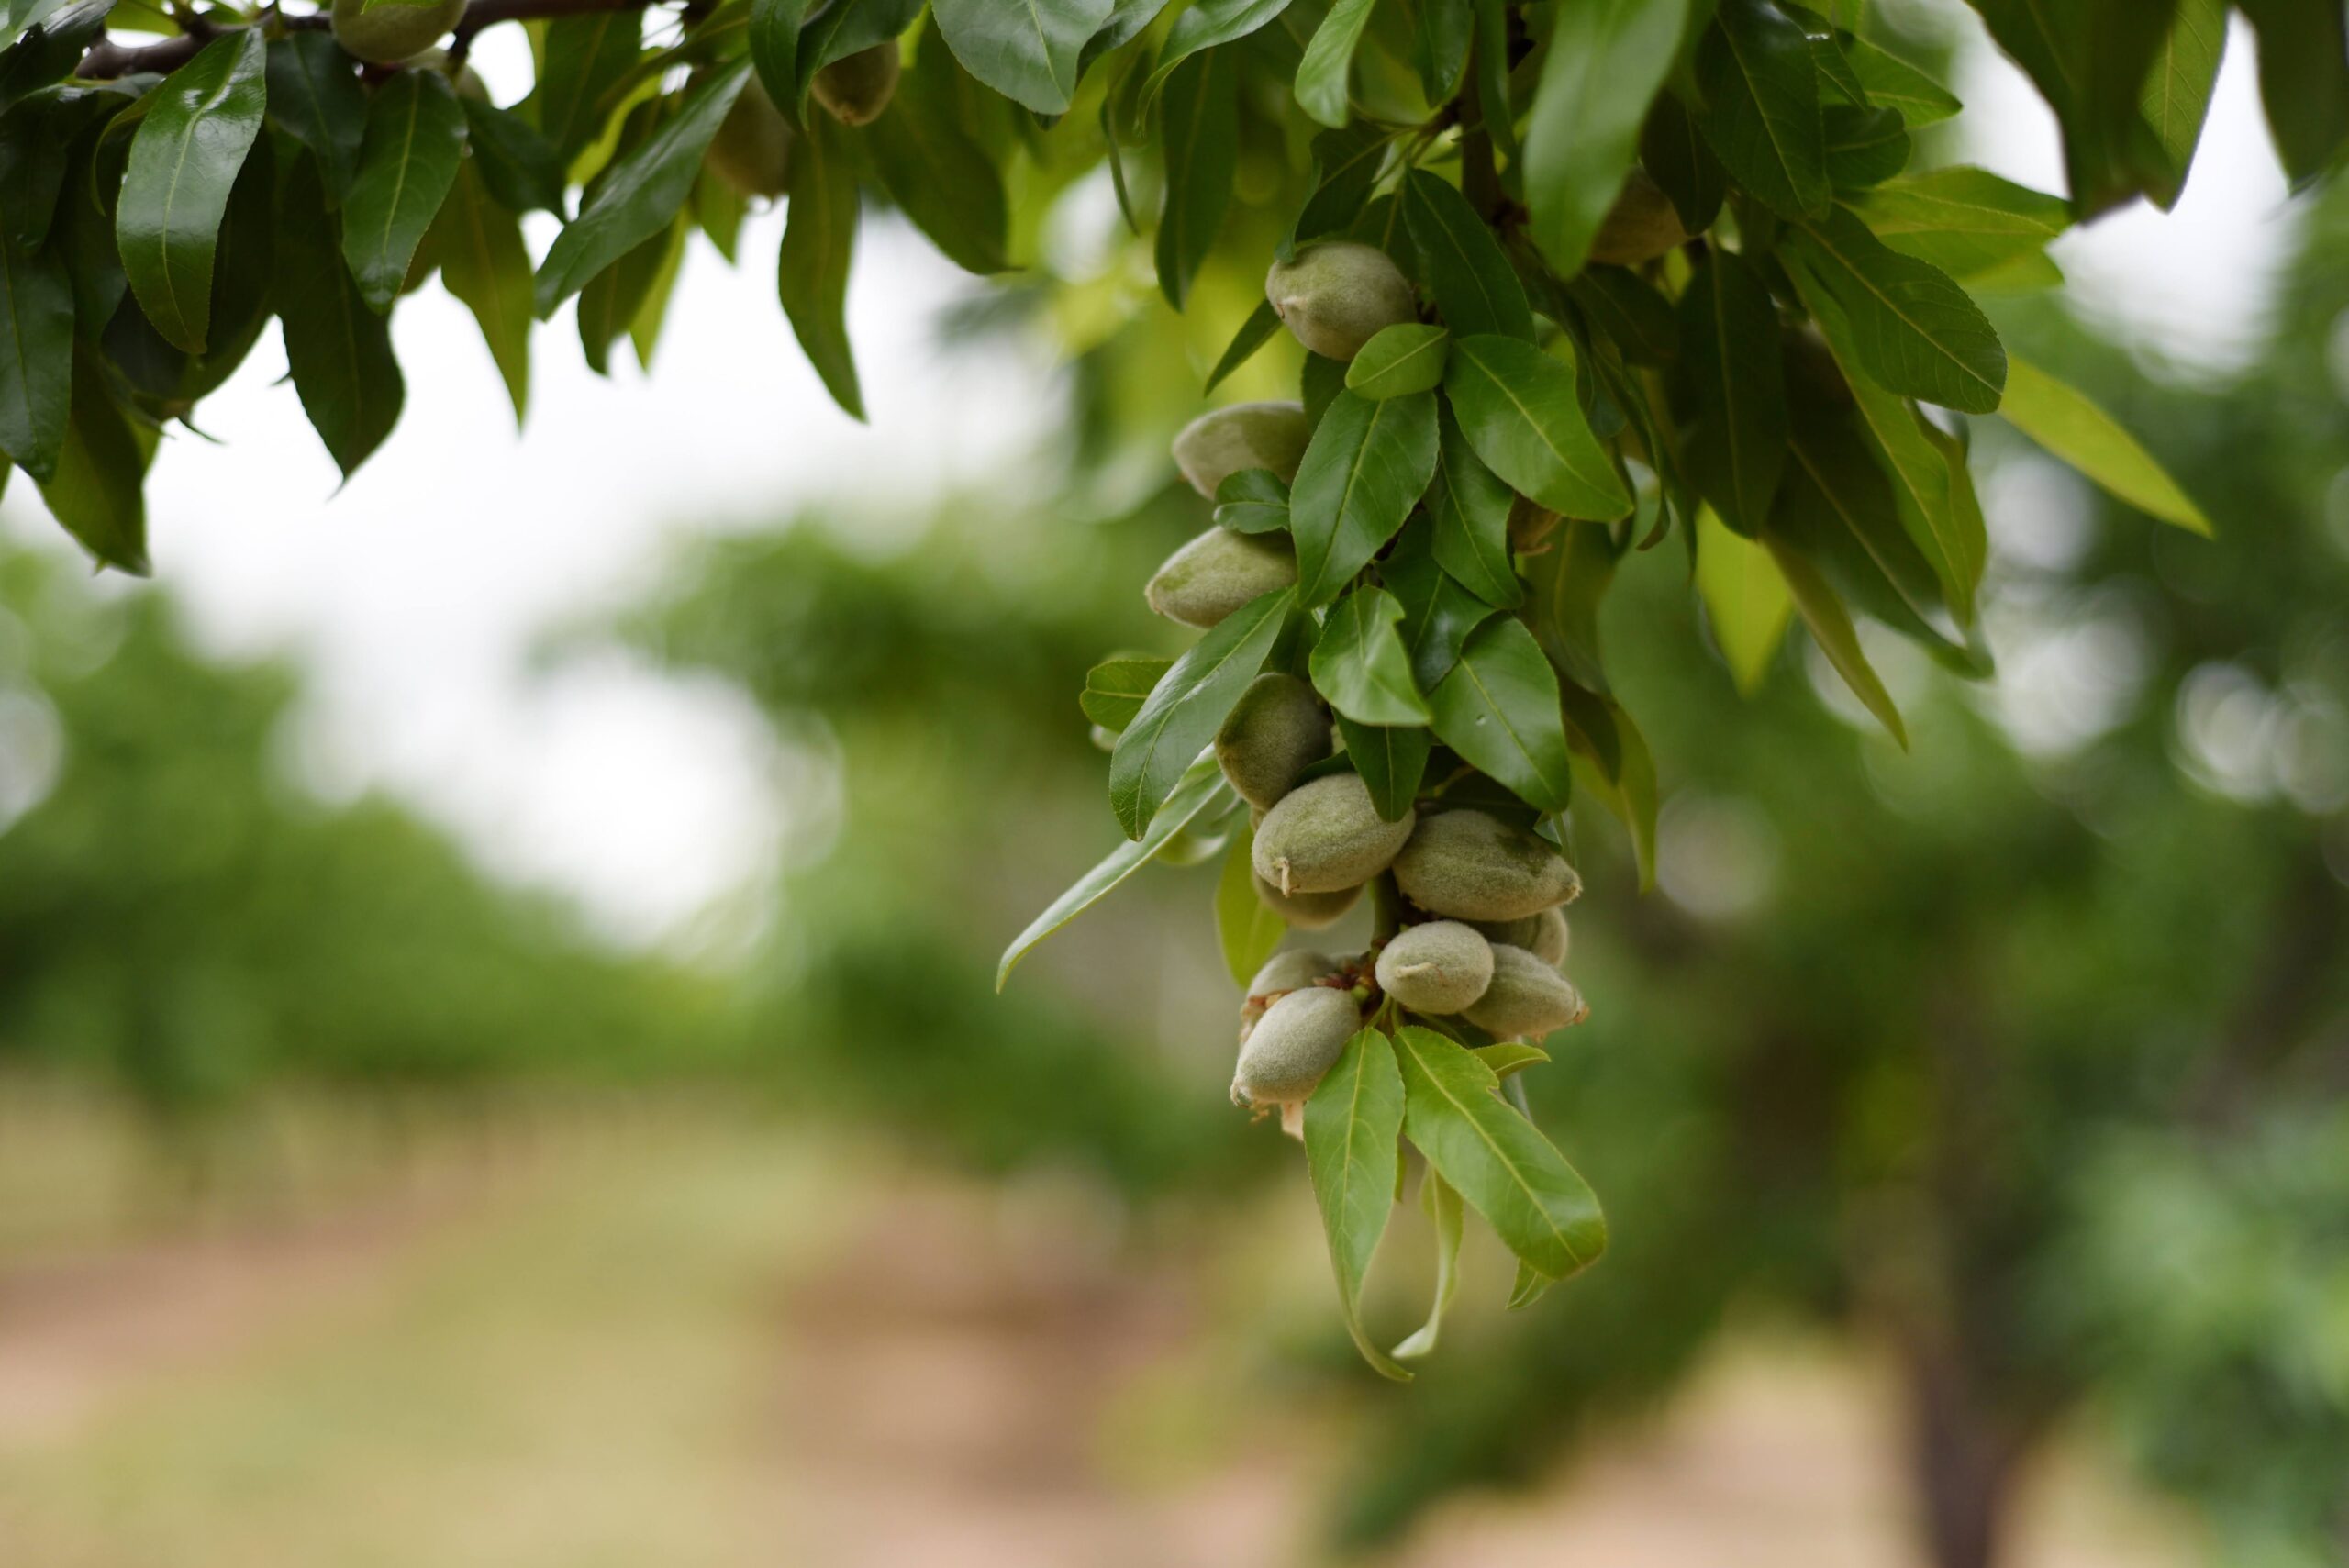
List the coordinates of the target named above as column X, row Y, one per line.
column 819, row 242
column 1447, row 1216
column 1245, row 928
column 1864, row 147
column 314, row 96
column 1892, row 81
column 2303, row 80
column 583, row 58
column 1391, row 760
column 2175, row 98
column 1253, row 501
column 1206, row 25
column 1438, row 611
column 339, row 350
column 1345, row 166
column 94, row 490
column 774, row 53
column 517, row 164
column 36, row 357
column 1253, row 334
column 1201, row 132
column 486, row 265
column 1569, row 582
column 1115, row 689
column 1736, row 449
column 1674, row 155
column 1468, row 509
column 1831, row 627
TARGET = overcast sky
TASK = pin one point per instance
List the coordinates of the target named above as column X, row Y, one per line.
column 417, row 592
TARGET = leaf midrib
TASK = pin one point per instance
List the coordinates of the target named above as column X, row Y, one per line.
column 1493, row 1145
column 1819, row 236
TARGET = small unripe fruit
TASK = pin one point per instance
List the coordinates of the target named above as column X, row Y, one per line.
column 1640, row 227
column 1225, row 441
column 1291, row 970
column 392, row 32
column 1543, row 935
column 1218, row 573
column 1335, row 297
column 1293, row 1045
column 750, row 154
column 1526, row 998
column 1439, row 967
column 1277, row 730
column 1327, row 835
column 854, row 91
column 1306, row 911
column 1474, row 866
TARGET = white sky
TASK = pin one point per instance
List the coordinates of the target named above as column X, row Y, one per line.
column 416, row 594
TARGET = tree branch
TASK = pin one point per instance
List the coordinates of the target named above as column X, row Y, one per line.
column 107, row 59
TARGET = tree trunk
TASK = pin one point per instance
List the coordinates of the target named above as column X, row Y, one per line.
column 1963, row 1462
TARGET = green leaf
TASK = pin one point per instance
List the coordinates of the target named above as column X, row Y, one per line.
column 1253, row 334
column 1361, row 665
column 1405, row 358
column 1206, row 25
column 1345, row 166
column 1353, row 1123
column 1363, row 471
column 1530, row 1286
column 1912, row 328
column 1475, row 288
column 1864, row 147
column 1447, row 1215
column 94, row 492
column 1745, row 600
column 339, row 350
column 1838, row 509
column 1638, row 320
column 1026, row 49
column 2175, row 98
column 614, row 296
column 36, row 357
column 1736, row 447
column 1570, row 579
column 1964, row 222
column 416, row 137
column 2303, row 81
column 314, row 96
column 1951, row 539
column 2091, row 68
column 1115, row 689
column 49, row 47
column 1391, row 759
column 519, row 166
column 1189, row 705
column 638, row 194
column 1322, row 76
column 1252, row 501
column 1318, row 381
column 1892, row 81
column 818, row 241
column 1521, row 414
column 1607, row 59
column 486, row 265
column 1202, row 787
column 1831, row 627
column 183, row 162
column 1468, row 507
column 1127, row 19
column 1510, row 1057
column 774, row 51
column 1674, row 155
column 1245, row 928
column 940, row 179
column 1201, row 125
column 1438, row 611
column 1631, row 794
column 1440, row 46
column 36, row 139
column 584, row 58
column 2063, row 419
column 1761, row 112
column 1498, row 709
column 1508, row 1172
